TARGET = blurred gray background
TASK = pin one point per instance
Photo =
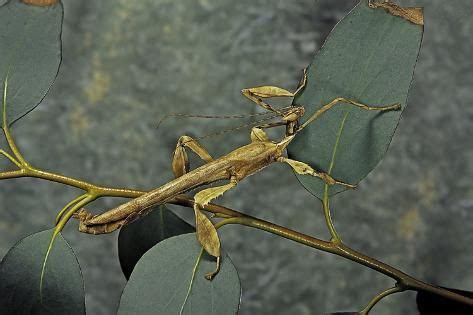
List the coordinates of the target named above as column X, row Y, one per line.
column 128, row 63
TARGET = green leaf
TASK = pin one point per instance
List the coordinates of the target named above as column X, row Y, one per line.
column 63, row 288
column 30, row 54
column 369, row 57
column 138, row 237
column 161, row 280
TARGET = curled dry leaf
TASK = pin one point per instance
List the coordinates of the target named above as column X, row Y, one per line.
column 258, row 134
column 206, row 233
column 412, row 14
column 180, row 162
column 205, row 196
column 270, row 91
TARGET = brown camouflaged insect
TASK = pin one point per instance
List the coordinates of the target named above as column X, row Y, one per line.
column 233, row 167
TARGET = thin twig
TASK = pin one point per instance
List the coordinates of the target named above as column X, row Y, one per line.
column 379, row 297
column 325, row 202
column 6, row 128
column 405, row 281
column 233, row 217
column 9, row 157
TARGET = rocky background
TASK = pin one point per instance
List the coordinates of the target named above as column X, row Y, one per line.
column 128, row 63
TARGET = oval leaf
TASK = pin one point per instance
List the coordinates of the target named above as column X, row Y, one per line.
column 369, row 57
column 137, row 238
column 63, row 287
column 30, row 50
column 161, row 280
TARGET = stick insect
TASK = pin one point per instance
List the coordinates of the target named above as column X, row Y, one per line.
column 233, row 167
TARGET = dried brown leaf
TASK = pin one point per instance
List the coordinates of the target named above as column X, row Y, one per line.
column 206, row 233
column 180, row 162
column 258, row 135
column 270, row 91
column 412, row 14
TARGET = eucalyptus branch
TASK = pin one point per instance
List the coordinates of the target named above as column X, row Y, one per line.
column 405, row 281
column 69, row 205
column 12, row 174
column 26, row 170
column 79, row 203
column 379, row 297
column 335, row 238
column 6, row 128
column 235, row 217
column 94, row 192
column 9, row 157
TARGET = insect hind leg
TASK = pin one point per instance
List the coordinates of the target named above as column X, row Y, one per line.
column 305, row 169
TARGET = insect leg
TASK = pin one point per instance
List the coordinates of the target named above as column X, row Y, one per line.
column 342, row 100
column 257, row 94
column 302, row 82
column 205, row 230
column 305, row 169
column 180, row 162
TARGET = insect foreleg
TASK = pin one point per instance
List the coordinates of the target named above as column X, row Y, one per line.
column 305, row 169
column 342, row 100
column 257, row 94
column 206, row 231
column 180, row 162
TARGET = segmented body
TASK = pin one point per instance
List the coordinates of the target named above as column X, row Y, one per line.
column 238, row 164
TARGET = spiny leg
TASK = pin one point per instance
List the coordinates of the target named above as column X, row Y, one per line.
column 180, row 162
column 302, row 82
column 257, row 94
column 206, row 231
column 342, row 100
column 305, row 169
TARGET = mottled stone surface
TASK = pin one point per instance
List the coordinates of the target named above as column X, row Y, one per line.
column 127, row 63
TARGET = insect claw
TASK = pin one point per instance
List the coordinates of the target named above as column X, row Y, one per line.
column 351, row 186
column 211, row 275
column 337, row 182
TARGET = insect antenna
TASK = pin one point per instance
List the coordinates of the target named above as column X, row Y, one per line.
column 247, row 125
column 242, row 116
